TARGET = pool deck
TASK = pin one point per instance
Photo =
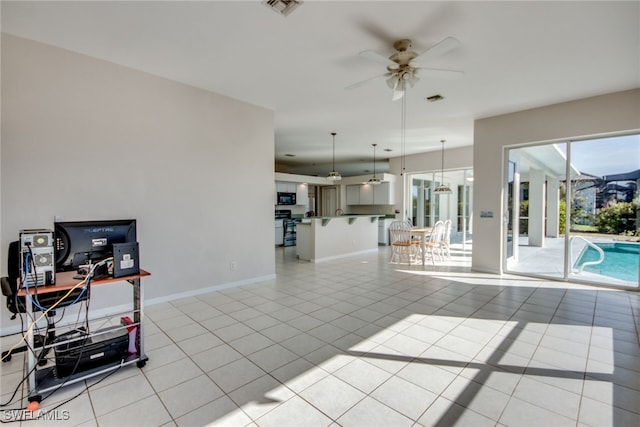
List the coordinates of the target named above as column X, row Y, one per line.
column 547, row 261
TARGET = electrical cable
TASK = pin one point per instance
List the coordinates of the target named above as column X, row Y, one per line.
column 82, row 347
column 54, row 305
column 2, row 405
column 2, row 421
column 86, row 282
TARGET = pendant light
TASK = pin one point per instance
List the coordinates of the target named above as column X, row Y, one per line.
column 442, row 188
column 333, row 175
column 373, row 179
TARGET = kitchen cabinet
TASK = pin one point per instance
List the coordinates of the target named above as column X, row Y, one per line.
column 366, row 194
column 293, row 187
column 353, row 194
column 286, row 187
column 382, row 194
column 369, row 194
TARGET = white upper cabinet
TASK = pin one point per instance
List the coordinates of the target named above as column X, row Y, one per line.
column 368, row 194
column 286, row 187
column 353, row 194
column 300, row 190
column 382, row 194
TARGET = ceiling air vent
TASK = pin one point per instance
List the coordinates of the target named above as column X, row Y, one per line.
column 283, row 7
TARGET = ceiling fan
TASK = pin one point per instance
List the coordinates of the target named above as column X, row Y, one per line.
column 403, row 66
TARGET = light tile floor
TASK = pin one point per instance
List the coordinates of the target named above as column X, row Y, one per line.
column 360, row 342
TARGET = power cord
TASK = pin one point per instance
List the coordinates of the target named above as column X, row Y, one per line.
column 86, row 281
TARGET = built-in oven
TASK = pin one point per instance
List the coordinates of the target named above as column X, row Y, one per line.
column 280, row 216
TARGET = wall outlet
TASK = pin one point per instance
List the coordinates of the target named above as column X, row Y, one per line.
column 233, row 265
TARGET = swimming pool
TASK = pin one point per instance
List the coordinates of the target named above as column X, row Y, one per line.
column 621, row 260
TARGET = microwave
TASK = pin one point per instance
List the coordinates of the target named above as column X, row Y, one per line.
column 286, row 198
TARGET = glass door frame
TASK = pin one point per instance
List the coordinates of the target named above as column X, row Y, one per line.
column 568, row 232
column 439, row 209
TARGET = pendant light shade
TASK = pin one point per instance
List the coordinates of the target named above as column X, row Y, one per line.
column 442, row 188
column 373, row 179
column 333, row 175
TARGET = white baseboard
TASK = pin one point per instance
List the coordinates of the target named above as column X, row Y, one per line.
column 109, row 311
column 331, row 258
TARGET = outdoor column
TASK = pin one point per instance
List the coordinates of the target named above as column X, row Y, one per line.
column 515, row 224
column 553, row 207
column 536, row 207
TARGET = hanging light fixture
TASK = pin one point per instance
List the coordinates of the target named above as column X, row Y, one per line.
column 333, row 175
column 373, row 179
column 442, row 188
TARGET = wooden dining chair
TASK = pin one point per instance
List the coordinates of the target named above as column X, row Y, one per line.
column 402, row 245
column 445, row 242
column 433, row 247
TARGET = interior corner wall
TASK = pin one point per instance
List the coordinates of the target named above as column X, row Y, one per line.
column 615, row 113
column 86, row 139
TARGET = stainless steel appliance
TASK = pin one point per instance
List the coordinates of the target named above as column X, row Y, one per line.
column 289, row 229
column 280, row 216
column 286, row 198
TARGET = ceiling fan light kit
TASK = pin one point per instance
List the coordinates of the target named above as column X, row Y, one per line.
column 333, row 175
column 404, row 64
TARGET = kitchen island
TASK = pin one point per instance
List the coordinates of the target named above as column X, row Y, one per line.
column 330, row 237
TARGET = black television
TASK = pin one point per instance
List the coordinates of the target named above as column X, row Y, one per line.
column 80, row 242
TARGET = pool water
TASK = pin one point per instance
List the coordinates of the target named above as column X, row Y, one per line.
column 621, row 260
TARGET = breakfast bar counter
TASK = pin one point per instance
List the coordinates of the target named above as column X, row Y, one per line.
column 330, row 237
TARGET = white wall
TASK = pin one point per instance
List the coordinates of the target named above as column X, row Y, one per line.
column 86, row 139
column 597, row 116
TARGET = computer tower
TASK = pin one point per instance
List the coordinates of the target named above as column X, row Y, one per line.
column 37, row 260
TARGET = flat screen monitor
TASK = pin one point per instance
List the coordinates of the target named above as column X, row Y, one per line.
column 78, row 242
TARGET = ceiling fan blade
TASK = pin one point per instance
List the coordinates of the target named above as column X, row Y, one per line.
column 440, row 74
column 364, row 82
column 377, row 57
column 444, row 46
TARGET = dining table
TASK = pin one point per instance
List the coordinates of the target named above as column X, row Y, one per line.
column 423, row 233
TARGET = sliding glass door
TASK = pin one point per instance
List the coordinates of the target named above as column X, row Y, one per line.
column 576, row 205
column 427, row 208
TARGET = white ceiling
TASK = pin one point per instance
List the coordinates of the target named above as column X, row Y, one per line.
column 515, row 55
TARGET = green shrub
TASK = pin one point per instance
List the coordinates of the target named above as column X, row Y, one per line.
column 618, row 218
